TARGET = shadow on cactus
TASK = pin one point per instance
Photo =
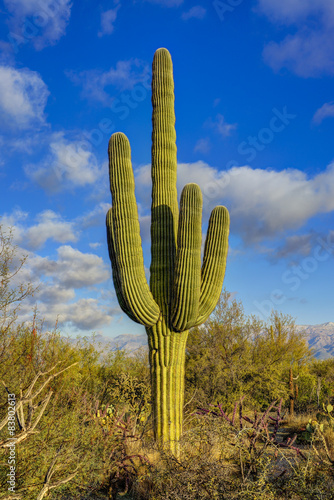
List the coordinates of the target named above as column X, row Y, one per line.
column 182, row 292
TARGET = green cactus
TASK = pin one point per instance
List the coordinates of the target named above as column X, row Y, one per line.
column 182, row 293
column 326, row 416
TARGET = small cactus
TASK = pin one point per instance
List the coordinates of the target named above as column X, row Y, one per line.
column 326, row 416
column 308, row 433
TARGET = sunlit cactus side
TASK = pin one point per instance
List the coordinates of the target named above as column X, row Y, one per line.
column 182, row 291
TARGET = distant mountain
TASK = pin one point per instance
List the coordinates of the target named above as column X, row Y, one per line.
column 129, row 342
column 320, row 337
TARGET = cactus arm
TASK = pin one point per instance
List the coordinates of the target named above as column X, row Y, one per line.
column 115, row 272
column 214, row 262
column 164, row 195
column 187, row 278
column 124, row 237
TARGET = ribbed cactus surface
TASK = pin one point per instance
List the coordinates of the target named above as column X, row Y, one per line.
column 183, row 292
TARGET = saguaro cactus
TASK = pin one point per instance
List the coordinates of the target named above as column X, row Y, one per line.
column 182, row 293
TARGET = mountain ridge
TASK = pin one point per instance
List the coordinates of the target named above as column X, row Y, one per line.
column 320, row 337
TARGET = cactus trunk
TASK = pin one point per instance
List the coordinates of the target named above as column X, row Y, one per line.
column 182, row 293
column 167, row 362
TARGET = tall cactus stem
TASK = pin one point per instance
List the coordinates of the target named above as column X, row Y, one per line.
column 182, row 293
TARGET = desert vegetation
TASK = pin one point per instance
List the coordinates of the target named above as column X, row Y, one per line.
column 83, row 418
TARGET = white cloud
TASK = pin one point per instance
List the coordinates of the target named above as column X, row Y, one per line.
column 58, row 280
column 197, row 12
column 71, row 269
column 307, row 53
column 76, row 269
column 202, row 145
column 23, row 96
column 54, row 295
column 145, row 227
column 326, row 111
column 68, row 164
column 220, row 125
column 262, row 203
column 108, row 19
column 26, row 143
column 49, row 226
column 310, row 50
column 95, row 217
column 85, row 314
column 95, row 245
column 123, row 77
column 40, row 22
column 61, row 277
column 295, row 11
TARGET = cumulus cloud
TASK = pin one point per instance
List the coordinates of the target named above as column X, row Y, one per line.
column 326, row 111
column 196, row 12
column 73, row 269
column 54, row 295
column 63, row 281
column 68, row 164
column 108, row 19
column 220, row 125
column 49, row 226
column 23, row 97
column 124, row 76
column 41, row 23
column 309, row 51
column 85, row 314
column 70, row 271
column 263, row 203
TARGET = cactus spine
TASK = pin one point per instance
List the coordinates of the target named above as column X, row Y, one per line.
column 182, row 293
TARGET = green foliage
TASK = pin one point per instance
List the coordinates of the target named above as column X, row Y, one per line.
column 95, row 435
column 86, row 430
column 232, row 355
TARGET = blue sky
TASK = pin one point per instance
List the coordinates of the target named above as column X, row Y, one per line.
column 254, row 107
